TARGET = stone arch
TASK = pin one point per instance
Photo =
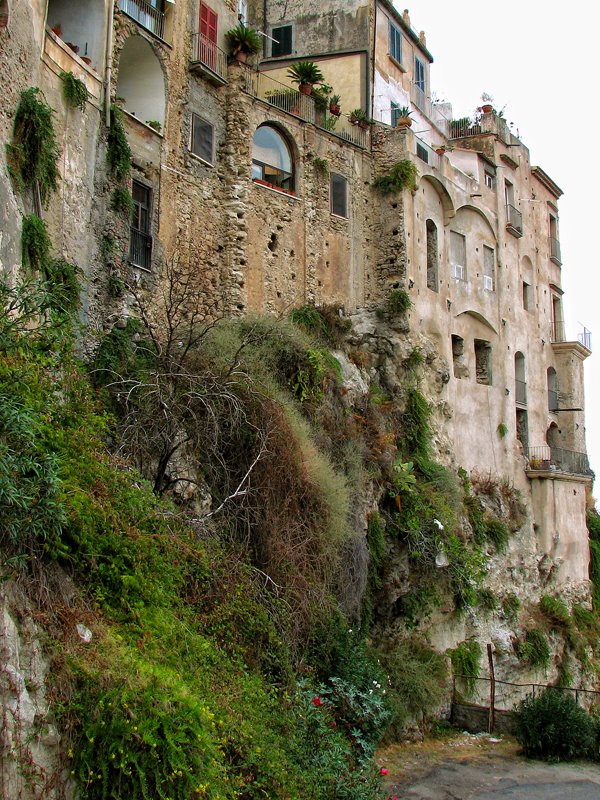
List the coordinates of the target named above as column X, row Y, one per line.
column 553, row 438
column 444, row 195
column 476, row 315
column 141, row 81
column 482, row 214
column 4, row 13
column 81, row 23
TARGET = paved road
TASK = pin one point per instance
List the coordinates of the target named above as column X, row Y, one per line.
column 472, row 768
column 504, row 780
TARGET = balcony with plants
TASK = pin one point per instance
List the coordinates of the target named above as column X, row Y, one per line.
column 313, row 101
column 551, row 460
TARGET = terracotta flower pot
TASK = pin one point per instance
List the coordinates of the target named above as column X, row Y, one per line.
column 335, row 110
column 241, row 56
column 440, row 151
column 487, row 108
column 404, row 122
column 305, row 88
column 86, row 60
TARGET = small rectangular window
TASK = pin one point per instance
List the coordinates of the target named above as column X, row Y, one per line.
column 489, row 268
column 483, row 362
column 282, row 46
column 527, row 301
column 202, row 139
column 338, row 195
column 394, row 114
column 140, row 240
column 490, row 180
column 395, row 43
column 422, row 153
column 419, row 74
column 458, row 255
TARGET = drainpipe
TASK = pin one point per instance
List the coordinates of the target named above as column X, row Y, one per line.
column 108, row 71
column 264, row 26
column 371, row 58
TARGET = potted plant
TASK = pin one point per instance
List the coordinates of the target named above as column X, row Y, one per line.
column 359, row 117
column 243, row 41
column 440, row 149
column 486, row 103
column 403, row 115
column 305, row 74
column 334, row 105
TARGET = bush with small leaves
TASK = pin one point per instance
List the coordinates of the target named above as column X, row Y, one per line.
column 553, row 727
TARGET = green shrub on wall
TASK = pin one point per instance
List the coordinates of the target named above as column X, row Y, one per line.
column 33, row 153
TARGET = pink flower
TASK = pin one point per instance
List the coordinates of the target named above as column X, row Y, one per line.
column 383, row 771
column 317, row 701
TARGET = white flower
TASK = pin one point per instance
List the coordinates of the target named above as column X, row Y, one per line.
column 439, row 524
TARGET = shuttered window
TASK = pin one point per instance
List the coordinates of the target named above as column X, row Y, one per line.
column 395, row 43
column 283, row 44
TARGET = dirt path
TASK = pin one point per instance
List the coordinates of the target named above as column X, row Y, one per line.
column 467, row 767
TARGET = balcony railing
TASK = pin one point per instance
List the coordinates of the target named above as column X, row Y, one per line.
column 209, row 58
column 557, row 334
column 557, row 459
column 426, row 153
column 514, row 220
column 140, row 248
column 555, row 251
column 585, row 338
column 148, row 17
column 263, row 87
column 521, row 392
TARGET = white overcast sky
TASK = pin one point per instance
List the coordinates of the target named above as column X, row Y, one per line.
column 540, row 59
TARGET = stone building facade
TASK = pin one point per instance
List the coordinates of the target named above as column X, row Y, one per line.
column 266, row 201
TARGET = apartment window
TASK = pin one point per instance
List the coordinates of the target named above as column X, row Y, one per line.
column 140, row 240
column 208, row 23
column 552, row 389
column 558, row 325
column 202, row 139
column 514, row 219
column 282, row 46
column 483, row 362
column 272, row 159
column 554, row 241
column 509, row 193
column 394, row 113
column 432, row 255
column 338, row 195
column 458, row 255
column 419, row 74
column 489, row 268
column 527, row 296
column 522, row 427
column 490, row 180
column 395, row 43
column 422, row 153
column 520, row 383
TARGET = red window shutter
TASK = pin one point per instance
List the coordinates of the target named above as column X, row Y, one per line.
column 208, row 23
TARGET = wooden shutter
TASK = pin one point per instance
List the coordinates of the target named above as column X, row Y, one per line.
column 208, row 23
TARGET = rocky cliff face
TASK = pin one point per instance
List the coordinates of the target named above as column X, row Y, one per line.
column 33, row 755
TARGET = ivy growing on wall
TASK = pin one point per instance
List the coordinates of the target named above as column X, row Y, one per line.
column 74, row 90
column 33, row 153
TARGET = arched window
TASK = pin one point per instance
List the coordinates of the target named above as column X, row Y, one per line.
column 520, row 384
column 141, row 81
column 552, row 389
column 432, row 255
column 272, row 159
